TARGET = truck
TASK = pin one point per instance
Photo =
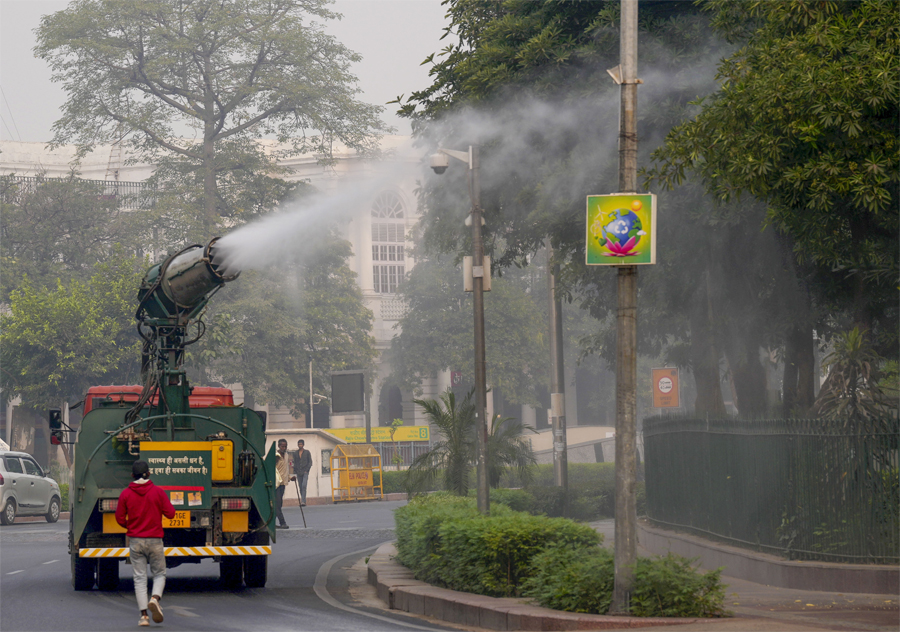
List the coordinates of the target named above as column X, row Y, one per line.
column 204, row 451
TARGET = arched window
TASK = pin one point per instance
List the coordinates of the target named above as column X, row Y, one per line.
column 388, row 237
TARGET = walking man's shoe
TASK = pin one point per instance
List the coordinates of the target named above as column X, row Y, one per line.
column 144, row 621
column 155, row 610
column 282, row 526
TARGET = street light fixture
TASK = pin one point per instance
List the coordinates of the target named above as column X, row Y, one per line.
column 439, row 163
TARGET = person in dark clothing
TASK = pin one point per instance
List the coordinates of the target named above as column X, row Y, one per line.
column 302, row 465
column 140, row 510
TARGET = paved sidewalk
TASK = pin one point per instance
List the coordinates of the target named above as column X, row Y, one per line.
column 761, row 607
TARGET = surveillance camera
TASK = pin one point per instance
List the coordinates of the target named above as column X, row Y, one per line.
column 439, row 162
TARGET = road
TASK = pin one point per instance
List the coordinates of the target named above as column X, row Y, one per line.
column 37, row 592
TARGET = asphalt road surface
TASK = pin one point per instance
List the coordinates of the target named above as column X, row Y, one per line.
column 308, row 588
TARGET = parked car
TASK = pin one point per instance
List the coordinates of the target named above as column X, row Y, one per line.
column 27, row 490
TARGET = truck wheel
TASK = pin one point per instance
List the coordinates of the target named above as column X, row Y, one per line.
column 231, row 570
column 53, row 510
column 108, row 574
column 9, row 513
column 256, row 569
column 83, row 572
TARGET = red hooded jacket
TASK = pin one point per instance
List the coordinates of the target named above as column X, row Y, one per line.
column 141, row 508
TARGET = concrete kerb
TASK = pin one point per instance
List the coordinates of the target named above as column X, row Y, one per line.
column 769, row 570
column 397, row 588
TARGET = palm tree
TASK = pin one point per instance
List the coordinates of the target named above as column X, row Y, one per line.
column 452, row 457
column 852, row 394
column 507, row 448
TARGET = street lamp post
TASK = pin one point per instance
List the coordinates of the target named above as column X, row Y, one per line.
column 439, row 164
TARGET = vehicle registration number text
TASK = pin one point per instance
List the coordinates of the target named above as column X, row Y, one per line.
column 182, row 519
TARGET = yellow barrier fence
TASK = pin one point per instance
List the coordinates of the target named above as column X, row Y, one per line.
column 355, row 473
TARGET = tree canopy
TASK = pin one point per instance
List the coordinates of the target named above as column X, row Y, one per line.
column 57, row 342
column 528, row 82
column 58, row 228
column 196, row 83
column 806, row 119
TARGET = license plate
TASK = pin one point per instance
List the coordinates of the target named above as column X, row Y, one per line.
column 182, row 520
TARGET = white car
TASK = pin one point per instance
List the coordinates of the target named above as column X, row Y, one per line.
column 27, row 490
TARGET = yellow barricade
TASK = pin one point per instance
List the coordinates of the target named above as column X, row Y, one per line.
column 355, row 473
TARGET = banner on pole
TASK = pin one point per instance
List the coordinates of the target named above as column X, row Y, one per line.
column 621, row 229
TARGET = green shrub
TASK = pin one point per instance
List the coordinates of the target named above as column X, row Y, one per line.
column 446, row 541
column 492, row 555
column 515, row 499
column 581, row 580
column 671, row 587
column 393, row 482
column 64, row 493
column 417, row 525
column 572, row 580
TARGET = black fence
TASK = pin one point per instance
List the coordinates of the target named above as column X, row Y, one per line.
column 805, row 489
column 130, row 196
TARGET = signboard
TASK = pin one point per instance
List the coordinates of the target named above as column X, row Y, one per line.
column 183, row 469
column 665, row 388
column 348, row 390
column 455, row 378
column 360, row 478
column 621, row 229
column 382, row 434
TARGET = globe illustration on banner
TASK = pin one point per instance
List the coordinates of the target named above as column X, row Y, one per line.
column 623, row 233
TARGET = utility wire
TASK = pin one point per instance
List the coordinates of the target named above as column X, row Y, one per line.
column 13, row 118
column 6, row 126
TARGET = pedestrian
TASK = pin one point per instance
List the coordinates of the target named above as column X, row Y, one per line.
column 140, row 510
column 282, row 476
column 302, row 465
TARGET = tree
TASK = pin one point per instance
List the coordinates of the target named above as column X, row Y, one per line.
column 452, row 456
column 58, row 228
column 507, row 448
column 275, row 321
column 805, row 119
column 528, row 81
column 852, row 393
column 436, row 333
column 57, row 343
column 220, row 73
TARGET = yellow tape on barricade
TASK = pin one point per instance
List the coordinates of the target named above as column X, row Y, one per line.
column 181, row 551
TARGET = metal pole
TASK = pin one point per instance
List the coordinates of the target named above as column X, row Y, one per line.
column 626, row 331
column 312, row 401
column 478, row 273
column 557, row 384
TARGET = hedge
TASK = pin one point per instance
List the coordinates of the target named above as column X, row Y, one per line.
column 554, row 561
column 447, row 542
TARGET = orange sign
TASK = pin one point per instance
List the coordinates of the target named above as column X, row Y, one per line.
column 359, row 478
column 665, row 388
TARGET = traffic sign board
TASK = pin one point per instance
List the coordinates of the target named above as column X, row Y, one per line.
column 665, row 388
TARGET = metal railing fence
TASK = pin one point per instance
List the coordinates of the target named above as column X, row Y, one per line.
column 806, row 489
column 408, row 451
column 130, row 196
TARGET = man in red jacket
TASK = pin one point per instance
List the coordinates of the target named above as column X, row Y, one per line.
column 140, row 510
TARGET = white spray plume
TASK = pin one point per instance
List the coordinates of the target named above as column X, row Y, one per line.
column 301, row 223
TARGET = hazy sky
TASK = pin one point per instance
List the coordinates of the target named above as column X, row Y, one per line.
column 393, row 37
